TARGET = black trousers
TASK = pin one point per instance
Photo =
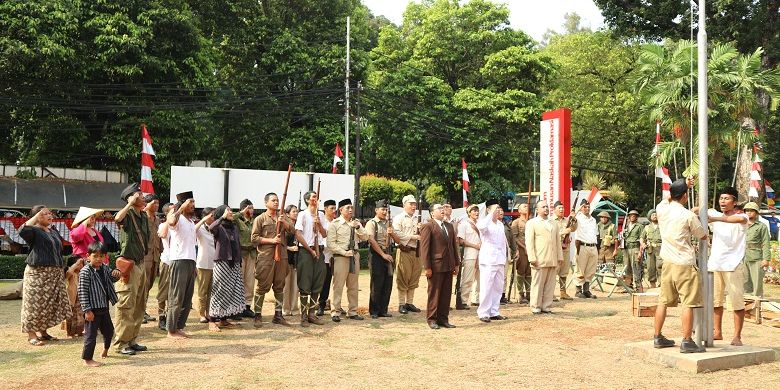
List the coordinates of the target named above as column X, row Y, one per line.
column 101, row 322
column 381, row 284
column 325, row 293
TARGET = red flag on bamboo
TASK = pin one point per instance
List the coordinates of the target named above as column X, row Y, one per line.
column 465, row 183
column 337, row 155
column 147, row 163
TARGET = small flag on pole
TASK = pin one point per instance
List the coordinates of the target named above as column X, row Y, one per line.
column 663, row 174
column 147, row 163
column 337, row 155
column 465, row 183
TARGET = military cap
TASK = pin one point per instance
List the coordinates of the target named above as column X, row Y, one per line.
column 633, row 212
column 382, row 203
column 751, row 206
column 129, row 190
column 603, row 214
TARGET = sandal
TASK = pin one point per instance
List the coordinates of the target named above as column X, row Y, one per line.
column 48, row 337
column 36, row 342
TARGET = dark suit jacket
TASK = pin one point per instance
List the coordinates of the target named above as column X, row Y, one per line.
column 439, row 253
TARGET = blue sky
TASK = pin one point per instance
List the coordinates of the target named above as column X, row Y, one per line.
column 532, row 16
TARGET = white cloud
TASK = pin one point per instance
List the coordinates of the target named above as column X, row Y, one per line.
column 532, row 16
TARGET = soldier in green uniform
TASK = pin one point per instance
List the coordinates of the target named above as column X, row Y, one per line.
column 631, row 253
column 757, row 252
column 607, row 239
column 650, row 244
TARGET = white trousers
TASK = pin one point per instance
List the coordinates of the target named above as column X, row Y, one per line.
column 491, row 285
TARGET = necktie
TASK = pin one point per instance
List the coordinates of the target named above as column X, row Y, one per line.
column 443, row 229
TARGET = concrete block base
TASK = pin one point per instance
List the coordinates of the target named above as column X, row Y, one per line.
column 719, row 357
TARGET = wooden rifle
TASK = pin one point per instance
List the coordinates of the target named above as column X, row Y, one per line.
column 317, row 217
column 279, row 214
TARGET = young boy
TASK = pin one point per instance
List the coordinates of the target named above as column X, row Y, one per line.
column 96, row 290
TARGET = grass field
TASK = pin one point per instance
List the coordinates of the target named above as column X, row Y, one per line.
column 581, row 346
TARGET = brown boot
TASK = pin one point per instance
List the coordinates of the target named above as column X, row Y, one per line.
column 565, row 296
column 304, row 311
column 258, row 321
column 312, row 311
column 279, row 319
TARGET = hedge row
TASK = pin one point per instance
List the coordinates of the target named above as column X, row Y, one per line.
column 12, row 267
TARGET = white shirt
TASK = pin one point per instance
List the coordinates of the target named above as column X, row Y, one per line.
column 207, row 252
column 493, row 249
column 183, row 239
column 165, row 256
column 327, row 253
column 587, row 231
column 305, row 223
column 728, row 243
column 467, row 231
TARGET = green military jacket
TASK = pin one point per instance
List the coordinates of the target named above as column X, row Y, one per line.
column 244, row 230
column 757, row 238
column 607, row 230
column 633, row 233
column 134, row 236
column 651, row 236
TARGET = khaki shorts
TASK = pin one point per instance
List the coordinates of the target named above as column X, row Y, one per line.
column 680, row 282
column 731, row 284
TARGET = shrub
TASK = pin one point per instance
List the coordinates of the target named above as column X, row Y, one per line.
column 374, row 188
column 401, row 189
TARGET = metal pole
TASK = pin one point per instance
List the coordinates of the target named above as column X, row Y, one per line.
column 704, row 315
column 346, row 108
column 358, row 128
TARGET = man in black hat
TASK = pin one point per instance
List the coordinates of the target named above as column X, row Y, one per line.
column 380, row 232
column 131, row 288
column 243, row 221
column 680, row 279
column 330, row 215
column 183, row 239
column 344, row 234
column 587, row 254
column 152, row 258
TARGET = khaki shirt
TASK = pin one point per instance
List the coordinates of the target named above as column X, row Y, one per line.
column 677, row 225
column 405, row 226
column 339, row 232
column 757, row 239
column 608, row 229
column 155, row 243
column 544, row 242
column 518, row 235
column 377, row 229
column 633, row 233
column 563, row 230
column 651, row 236
column 264, row 226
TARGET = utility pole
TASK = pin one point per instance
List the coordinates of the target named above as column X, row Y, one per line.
column 358, row 128
column 703, row 316
column 346, row 109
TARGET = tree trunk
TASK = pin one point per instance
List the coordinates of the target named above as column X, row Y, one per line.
column 744, row 165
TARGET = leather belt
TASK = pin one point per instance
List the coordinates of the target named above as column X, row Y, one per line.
column 586, row 244
column 405, row 248
column 631, row 245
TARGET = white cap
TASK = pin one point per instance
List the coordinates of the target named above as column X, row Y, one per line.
column 409, row 199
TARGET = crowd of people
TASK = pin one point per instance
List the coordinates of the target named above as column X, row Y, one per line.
column 304, row 257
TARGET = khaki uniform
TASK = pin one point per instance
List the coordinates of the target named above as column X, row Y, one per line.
column 565, row 233
column 248, row 255
column 757, row 249
column 152, row 258
column 679, row 278
column 631, row 237
column 408, row 266
column 651, row 238
column 342, row 238
column 132, row 294
column 544, row 248
column 523, row 267
column 606, row 252
column 510, row 256
column 269, row 273
column 381, row 269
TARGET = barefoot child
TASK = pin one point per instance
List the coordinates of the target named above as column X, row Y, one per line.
column 96, row 290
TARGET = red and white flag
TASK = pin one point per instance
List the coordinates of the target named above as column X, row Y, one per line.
column 465, row 183
column 663, row 174
column 337, row 155
column 147, row 163
column 594, row 196
column 657, row 139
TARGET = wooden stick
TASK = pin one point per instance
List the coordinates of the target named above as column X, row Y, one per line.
column 279, row 214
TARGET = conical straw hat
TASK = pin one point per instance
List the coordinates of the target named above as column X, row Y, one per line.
column 83, row 214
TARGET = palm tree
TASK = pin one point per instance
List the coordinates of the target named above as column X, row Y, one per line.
column 740, row 92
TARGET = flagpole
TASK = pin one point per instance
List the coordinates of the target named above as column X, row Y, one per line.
column 703, row 316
